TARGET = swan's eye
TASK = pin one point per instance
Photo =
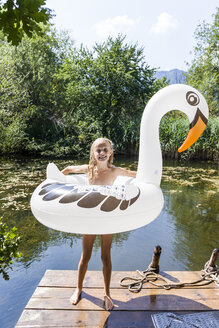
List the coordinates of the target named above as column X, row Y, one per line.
column 192, row 98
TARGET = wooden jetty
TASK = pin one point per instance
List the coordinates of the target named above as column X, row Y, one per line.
column 49, row 305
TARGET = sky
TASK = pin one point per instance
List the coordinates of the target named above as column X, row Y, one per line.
column 164, row 28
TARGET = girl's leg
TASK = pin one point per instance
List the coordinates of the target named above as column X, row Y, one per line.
column 106, row 242
column 87, row 246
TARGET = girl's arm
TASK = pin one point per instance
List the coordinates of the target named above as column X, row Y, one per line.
column 75, row 169
column 124, row 172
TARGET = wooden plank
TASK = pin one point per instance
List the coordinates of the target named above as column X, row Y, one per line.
column 53, row 318
column 60, row 292
column 64, row 319
column 94, row 279
column 154, row 299
column 72, row 319
column 54, row 292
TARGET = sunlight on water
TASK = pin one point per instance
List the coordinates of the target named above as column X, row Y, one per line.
column 187, row 229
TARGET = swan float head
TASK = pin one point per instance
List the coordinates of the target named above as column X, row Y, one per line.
column 198, row 118
column 69, row 204
column 173, row 97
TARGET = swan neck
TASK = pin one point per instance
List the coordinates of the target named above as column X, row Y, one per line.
column 150, row 157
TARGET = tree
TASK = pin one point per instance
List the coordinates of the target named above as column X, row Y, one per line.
column 29, row 102
column 203, row 72
column 19, row 17
column 110, row 85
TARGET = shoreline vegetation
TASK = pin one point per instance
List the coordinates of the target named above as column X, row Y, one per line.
column 172, row 134
column 55, row 99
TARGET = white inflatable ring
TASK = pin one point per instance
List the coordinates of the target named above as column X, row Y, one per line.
column 68, row 203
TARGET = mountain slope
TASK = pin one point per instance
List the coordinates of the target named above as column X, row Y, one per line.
column 173, row 76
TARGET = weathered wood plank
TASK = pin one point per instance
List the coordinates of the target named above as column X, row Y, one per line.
column 64, row 319
column 60, row 292
column 94, row 279
column 81, row 319
column 154, row 299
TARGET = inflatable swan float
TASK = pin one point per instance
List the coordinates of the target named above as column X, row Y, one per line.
column 68, row 203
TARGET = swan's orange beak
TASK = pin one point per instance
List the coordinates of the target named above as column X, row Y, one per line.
column 197, row 126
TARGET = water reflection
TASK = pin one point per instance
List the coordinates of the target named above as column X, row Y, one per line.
column 194, row 212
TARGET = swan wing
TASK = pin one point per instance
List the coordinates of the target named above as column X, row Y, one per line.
column 109, row 197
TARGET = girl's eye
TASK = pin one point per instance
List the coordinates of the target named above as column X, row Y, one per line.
column 105, row 150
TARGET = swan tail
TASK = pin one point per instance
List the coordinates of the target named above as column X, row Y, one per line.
column 53, row 173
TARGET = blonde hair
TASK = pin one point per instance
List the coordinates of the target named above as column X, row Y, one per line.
column 92, row 162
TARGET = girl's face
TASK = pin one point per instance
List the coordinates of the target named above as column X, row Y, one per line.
column 102, row 151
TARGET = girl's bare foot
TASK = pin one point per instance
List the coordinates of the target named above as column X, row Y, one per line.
column 108, row 303
column 76, row 296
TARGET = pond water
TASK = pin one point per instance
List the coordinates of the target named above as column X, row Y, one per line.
column 187, row 229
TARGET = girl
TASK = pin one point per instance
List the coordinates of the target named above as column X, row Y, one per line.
column 100, row 171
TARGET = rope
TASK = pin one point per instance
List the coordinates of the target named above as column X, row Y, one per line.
column 209, row 275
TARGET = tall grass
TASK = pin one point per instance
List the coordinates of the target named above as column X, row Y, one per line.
column 174, row 131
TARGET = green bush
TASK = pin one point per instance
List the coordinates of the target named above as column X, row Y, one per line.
column 9, row 242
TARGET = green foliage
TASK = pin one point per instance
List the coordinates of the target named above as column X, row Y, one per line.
column 9, row 242
column 203, row 72
column 28, row 103
column 19, row 17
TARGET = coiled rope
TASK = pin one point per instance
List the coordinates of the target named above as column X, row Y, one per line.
column 134, row 284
